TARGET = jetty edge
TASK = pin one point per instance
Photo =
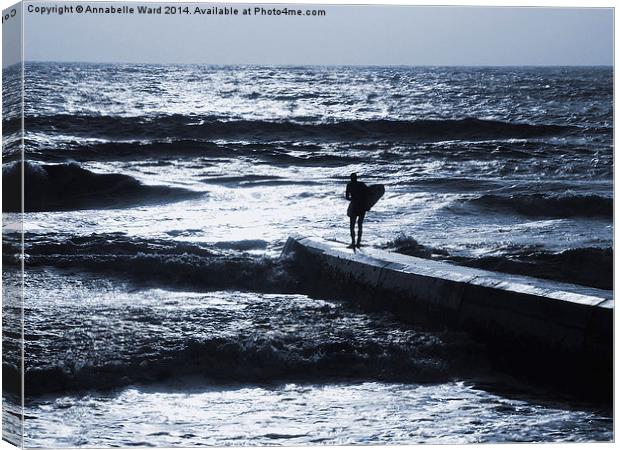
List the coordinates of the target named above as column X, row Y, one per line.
column 541, row 327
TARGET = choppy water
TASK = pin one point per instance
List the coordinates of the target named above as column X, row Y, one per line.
column 158, row 199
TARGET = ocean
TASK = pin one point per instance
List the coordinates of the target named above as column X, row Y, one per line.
column 157, row 310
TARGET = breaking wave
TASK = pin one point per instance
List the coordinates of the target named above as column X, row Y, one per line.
column 159, row 262
column 253, row 358
column 59, row 187
column 542, row 205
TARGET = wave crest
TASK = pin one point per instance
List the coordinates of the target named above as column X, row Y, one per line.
column 59, row 187
column 542, row 205
column 190, row 127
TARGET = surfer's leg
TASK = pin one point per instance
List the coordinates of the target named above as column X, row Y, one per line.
column 360, row 221
column 352, row 228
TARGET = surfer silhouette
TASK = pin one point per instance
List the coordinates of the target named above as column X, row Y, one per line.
column 356, row 193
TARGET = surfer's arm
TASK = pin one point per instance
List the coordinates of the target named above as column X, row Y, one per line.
column 347, row 194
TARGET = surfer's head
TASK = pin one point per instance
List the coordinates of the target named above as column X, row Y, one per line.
column 353, row 176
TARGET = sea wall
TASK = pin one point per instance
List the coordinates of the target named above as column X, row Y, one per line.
column 522, row 318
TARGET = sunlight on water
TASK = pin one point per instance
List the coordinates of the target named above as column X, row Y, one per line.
column 292, row 414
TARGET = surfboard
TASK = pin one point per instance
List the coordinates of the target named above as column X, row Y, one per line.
column 373, row 194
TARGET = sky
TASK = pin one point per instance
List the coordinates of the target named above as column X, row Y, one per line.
column 349, row 35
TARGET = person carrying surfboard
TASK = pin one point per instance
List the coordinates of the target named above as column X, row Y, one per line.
column 356, row 193
column 361, row 199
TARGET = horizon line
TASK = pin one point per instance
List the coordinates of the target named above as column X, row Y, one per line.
column 304, row 65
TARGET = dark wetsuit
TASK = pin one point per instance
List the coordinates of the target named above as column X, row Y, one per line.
column 356, row 192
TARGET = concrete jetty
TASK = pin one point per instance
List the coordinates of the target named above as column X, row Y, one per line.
column 535, row 316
